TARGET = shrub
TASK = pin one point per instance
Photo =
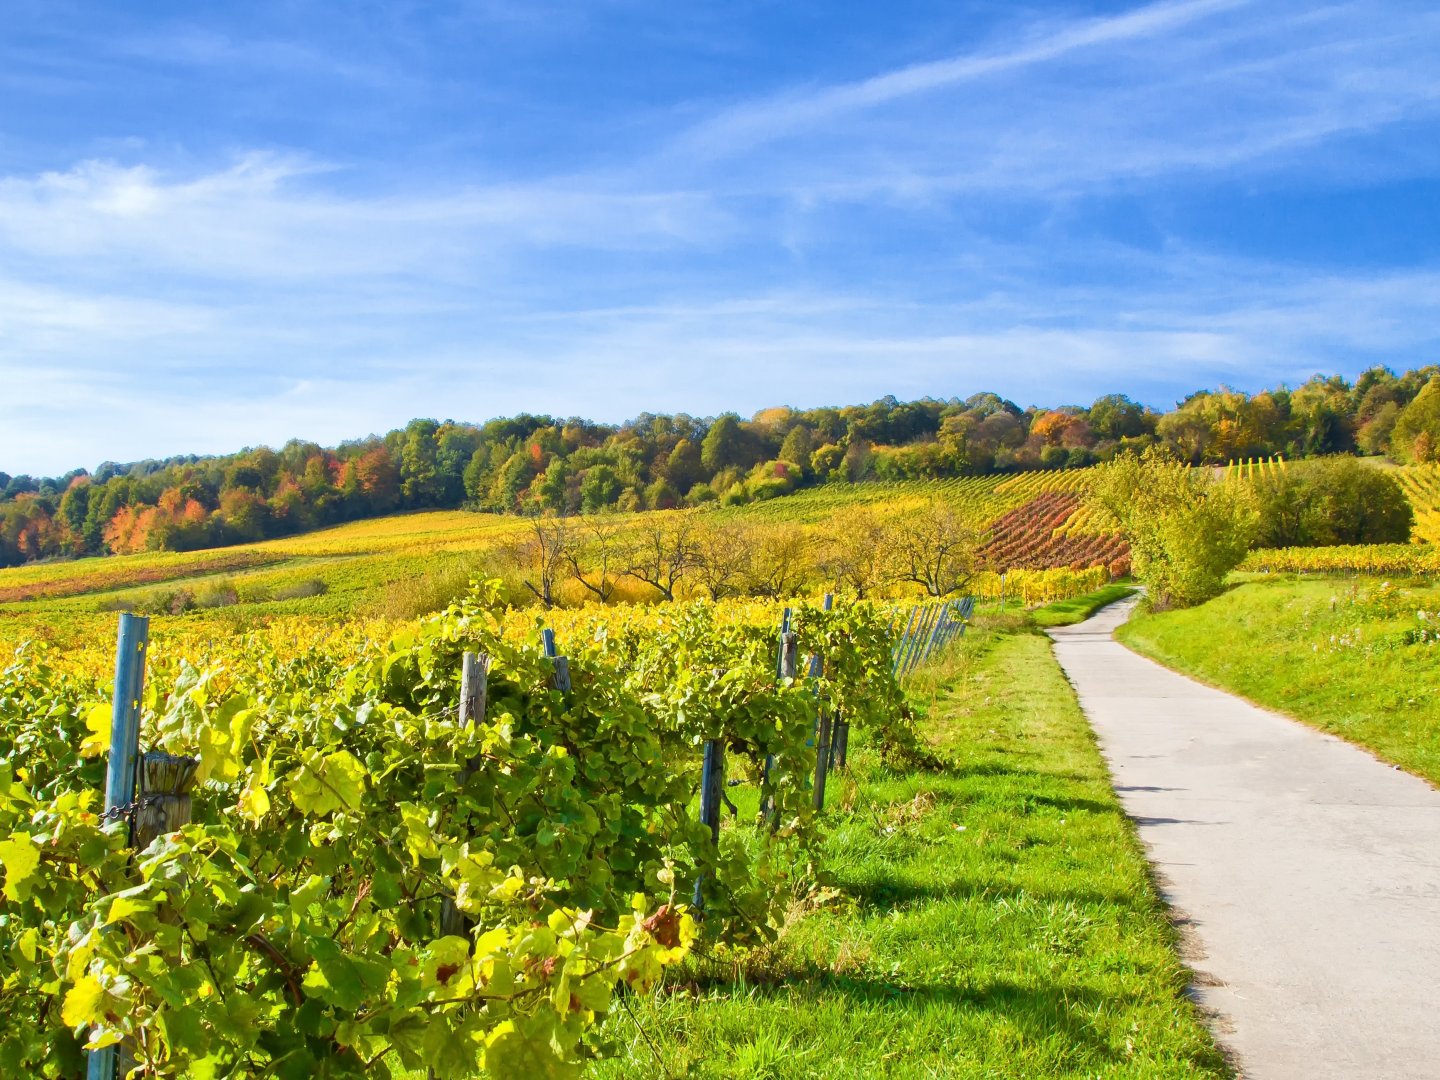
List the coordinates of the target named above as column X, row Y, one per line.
column 1187, row 527
column 301, row 590
column 216, row 595
column 1336, row 500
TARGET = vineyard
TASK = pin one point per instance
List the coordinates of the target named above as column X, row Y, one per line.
column 1393, row 559
column 343, row 803
column 1421, row 484
column 355, row 568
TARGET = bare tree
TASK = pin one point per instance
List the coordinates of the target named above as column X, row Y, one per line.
column 596, row 555
column 935, row 547
column 722, row 557
column 777, row 561
column 543, row 554
column 661, row 552
column 853, row 550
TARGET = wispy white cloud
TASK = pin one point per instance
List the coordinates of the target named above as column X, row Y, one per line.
column 747, row 126
column 834, row 242
column 263, row 217
column 1199, row 87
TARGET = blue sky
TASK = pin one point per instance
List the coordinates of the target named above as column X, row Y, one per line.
column 228, row 224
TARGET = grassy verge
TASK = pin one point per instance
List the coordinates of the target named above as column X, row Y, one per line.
column 1079, row 608
column 993, row 919
column 1337, row 653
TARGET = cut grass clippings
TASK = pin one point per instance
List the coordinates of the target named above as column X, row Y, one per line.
column 992, row 919
column 1340, row 654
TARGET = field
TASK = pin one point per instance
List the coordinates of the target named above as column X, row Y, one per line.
column 329, row 774
column 379, row 566
column 1359, row 658
column 386, row 570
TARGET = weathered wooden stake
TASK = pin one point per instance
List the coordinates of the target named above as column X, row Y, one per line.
column 474, row 689
column 132, row 641
column 822, row 723
column 784, row 669
column 561, row 679
column 165, row 784
column 712, row 784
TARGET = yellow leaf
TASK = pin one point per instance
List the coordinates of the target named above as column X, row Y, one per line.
column 254, row 802
column 122, row 907
column 21, row 858
column 333, row 782
column 97, row 730
column 84, row 1003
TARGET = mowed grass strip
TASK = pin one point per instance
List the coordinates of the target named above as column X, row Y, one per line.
column 1079, row 608
column 1330, row 651
column 994, row 919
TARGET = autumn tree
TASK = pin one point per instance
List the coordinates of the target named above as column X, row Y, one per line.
column 933, row 546
column 542, row 554
column 1416, row 434
column 778, row 560
column 722, row 557
column 1187, row 527
column 852, row 553
column 661, row 551
column 596, row 556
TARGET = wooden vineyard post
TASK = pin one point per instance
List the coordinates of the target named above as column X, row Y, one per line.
column 164, row 804
column 784, row 669
column 561, row 679
column 712, row 783
column 474, row 686
column 131, row 644
column 822, row 723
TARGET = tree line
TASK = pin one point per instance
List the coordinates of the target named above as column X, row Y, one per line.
column 532, row 464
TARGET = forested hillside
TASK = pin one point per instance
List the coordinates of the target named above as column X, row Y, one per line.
column 534, row 464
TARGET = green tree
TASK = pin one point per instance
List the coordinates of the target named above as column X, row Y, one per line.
column 724, row 444
column 1187, row 528
column 1335, row 500
column 683, row 468
column 1416, row 435
column 599, row 489
column 797, row 447
column 1115, row 416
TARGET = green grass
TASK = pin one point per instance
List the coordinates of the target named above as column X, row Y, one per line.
column 993, row 919
column 1079, row 608
column 1328, row 651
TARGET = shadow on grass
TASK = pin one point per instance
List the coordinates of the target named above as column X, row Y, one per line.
column 888, row 891
column 1062, row 1012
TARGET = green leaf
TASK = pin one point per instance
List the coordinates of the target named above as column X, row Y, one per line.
column 124, row 905
column 254, row 802
column 452, row 1053
column 21, row 858
column 419, row 837
column 525, row 1046
column 333, row 977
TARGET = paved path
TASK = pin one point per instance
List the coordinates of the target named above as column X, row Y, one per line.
column 1305, row 873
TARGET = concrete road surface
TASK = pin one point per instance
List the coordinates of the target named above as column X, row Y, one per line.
column 1304, row 873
